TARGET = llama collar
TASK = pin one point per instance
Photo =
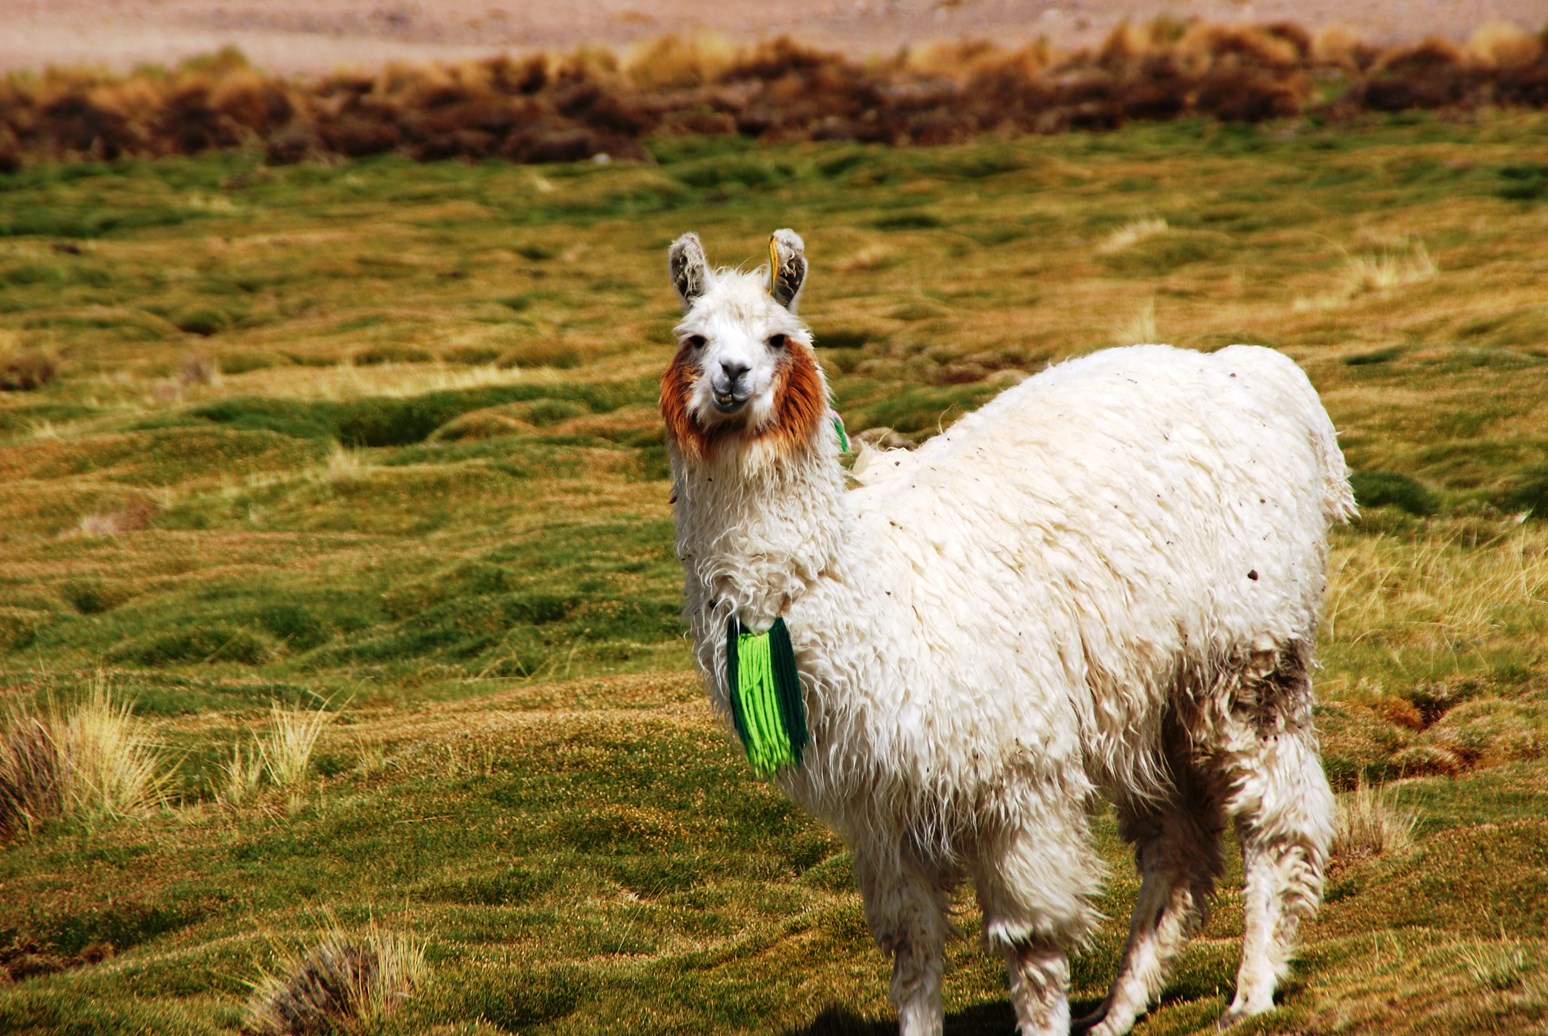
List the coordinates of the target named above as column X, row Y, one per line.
column 765, row 692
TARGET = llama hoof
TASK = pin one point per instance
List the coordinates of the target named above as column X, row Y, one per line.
column 1235, row 1016
column 1101, row 1022
column 1086, row 1022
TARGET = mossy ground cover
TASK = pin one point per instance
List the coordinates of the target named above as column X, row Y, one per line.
column 380, row 438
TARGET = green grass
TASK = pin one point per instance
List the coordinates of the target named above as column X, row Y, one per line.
column 380, row 438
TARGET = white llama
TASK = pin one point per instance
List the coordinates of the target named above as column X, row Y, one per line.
column 1106, row 580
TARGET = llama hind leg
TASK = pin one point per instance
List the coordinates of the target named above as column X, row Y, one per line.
column 1284, row 813
column 906, row 911
column 1177, row 852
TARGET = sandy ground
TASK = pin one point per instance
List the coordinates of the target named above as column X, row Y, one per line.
column 290, row 36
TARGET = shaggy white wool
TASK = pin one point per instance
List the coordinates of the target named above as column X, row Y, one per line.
column 998, row 625
column 1024, row 591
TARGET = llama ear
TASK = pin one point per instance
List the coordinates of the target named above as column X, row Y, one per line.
column 787, row 267
column 690, row 273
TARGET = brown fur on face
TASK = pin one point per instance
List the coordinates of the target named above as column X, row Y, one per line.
column 801, row 403
column 676, row 389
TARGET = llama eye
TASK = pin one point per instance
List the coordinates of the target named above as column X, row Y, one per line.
column 695, row 341
column 777, row 341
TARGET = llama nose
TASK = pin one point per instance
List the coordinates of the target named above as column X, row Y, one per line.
column 733, row 370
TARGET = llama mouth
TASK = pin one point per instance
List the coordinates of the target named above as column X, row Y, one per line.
column 728, row 402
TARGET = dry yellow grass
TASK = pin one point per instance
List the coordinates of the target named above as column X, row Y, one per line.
column 1440, row 595
column 1504, row 45
column 240, row 775
column 1131, row 234
column 1139, row 329
column 679, row 61
column 110, row 761
column 1370, row 824
column 287, row 747
column 94, row 761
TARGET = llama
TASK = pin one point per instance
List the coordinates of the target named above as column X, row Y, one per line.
column 1105, row 580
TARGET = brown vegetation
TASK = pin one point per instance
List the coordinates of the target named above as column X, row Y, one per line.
column 24, row 959
column 590, row 103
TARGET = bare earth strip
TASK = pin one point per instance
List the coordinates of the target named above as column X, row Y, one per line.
column 320, row 35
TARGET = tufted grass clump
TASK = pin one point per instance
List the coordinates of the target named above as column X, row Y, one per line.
column 287, row 752
column 1499, row 966
column 340, row 983
column 1384, row 270
column 240, row 776
column 111, row 765
column 1371, row 824
column 95, row 761
column 31, row 774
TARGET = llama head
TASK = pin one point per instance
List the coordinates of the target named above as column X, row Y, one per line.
column 744, row 374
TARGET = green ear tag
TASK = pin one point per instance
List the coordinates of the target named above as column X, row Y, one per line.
column 838, row 428
column 765, row 691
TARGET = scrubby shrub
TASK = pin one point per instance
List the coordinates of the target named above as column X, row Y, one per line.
column 565, row 109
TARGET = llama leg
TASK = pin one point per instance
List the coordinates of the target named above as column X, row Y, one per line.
column 1033, row 893
column 1039, row 978
column 1178, row 855
column 1284, row 812
column 907, row 915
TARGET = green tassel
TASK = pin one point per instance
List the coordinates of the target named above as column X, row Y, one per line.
column 765, row 692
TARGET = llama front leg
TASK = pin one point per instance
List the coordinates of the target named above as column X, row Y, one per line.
column 1177, row 852
column 1034, row 894
column 1039, row 980
column 906, row 912
column 1284, row 811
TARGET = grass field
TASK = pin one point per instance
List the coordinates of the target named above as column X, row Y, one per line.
column 347, row 479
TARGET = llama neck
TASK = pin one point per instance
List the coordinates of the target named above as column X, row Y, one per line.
column 757, row 528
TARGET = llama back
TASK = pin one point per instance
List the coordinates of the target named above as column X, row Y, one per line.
column 1159, row 511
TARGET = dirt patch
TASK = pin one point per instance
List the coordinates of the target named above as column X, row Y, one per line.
column 23, row 960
